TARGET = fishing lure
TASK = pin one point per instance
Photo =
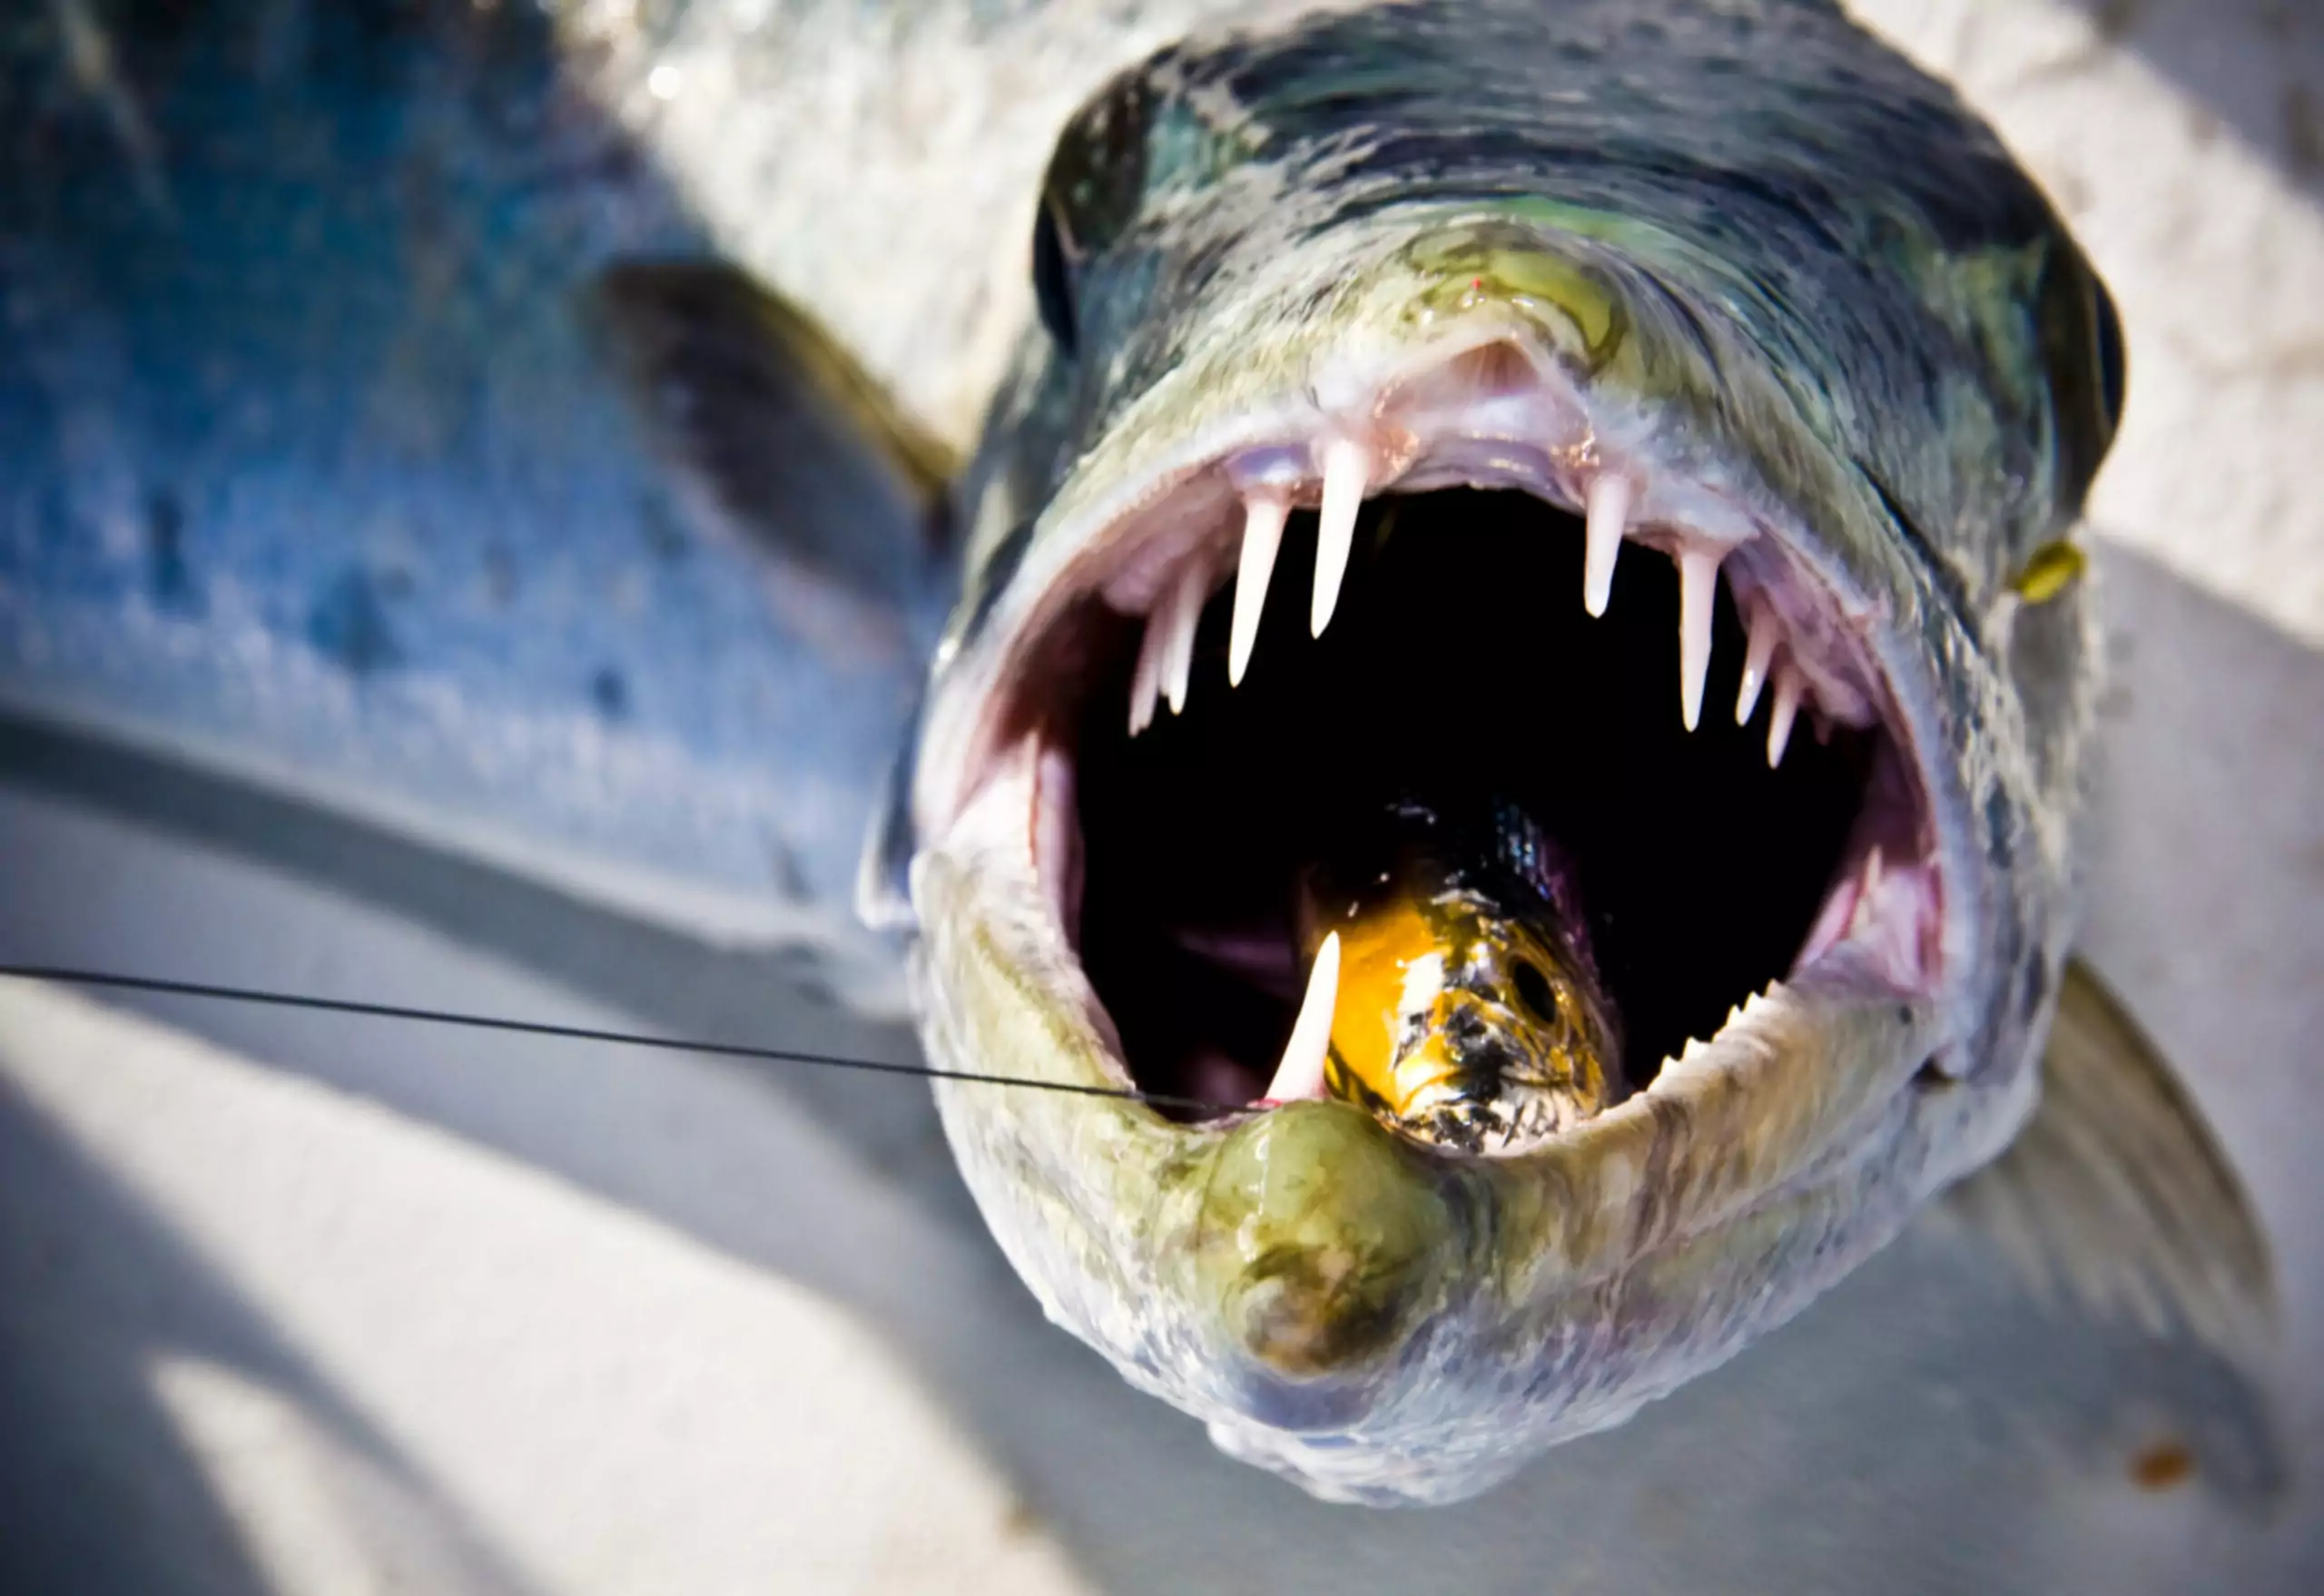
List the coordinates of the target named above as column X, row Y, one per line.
column 1468, row 1010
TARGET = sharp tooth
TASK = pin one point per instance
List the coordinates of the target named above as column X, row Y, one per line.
column 1183, row 611
column 1301, row 1073
column 1347, row 471
column 1697, row 590
column 1146, row 681
column 1756, row 660
column 1262, row 537
column 1609, row 513
column 1789, row 686
column 1867, row 895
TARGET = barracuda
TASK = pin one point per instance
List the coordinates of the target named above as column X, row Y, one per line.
column 1729, row 283
column 1672, row 416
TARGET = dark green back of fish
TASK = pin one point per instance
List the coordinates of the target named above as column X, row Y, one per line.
column 1874, row 243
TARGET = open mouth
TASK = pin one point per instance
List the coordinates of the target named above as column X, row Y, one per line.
column 1471, row 597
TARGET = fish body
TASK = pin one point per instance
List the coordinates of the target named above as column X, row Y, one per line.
column 458, row 414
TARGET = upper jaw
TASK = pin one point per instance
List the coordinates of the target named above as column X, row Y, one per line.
column 1486, row 402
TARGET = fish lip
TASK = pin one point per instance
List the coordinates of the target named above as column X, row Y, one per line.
column 1097, row 530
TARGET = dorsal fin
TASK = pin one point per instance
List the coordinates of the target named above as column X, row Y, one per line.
column 773, row 426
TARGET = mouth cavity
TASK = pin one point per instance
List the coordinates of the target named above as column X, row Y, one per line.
column 1469, row 595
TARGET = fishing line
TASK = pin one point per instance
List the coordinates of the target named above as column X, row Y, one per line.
column 189, row 989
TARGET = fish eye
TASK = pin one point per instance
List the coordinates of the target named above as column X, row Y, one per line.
column 1052, row 280
column 1534, row 992
column 1095, row 178
column 2082, row 348
column 2111, row 374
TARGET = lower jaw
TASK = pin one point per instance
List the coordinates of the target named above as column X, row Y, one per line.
column 1555, row 1292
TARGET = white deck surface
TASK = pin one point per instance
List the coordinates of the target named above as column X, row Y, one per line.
column 313, row 1304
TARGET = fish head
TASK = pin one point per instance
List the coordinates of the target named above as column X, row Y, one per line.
column 1453, row 309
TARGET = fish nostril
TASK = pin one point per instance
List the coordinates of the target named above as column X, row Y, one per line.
column 1931, row 1077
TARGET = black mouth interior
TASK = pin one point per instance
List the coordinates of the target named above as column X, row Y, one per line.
column 1459, row 661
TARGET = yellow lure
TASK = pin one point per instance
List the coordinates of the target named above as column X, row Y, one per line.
column 1468, row 1012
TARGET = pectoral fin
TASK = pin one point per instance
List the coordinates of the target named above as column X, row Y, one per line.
column 780, row 436
column 2120, row 1214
